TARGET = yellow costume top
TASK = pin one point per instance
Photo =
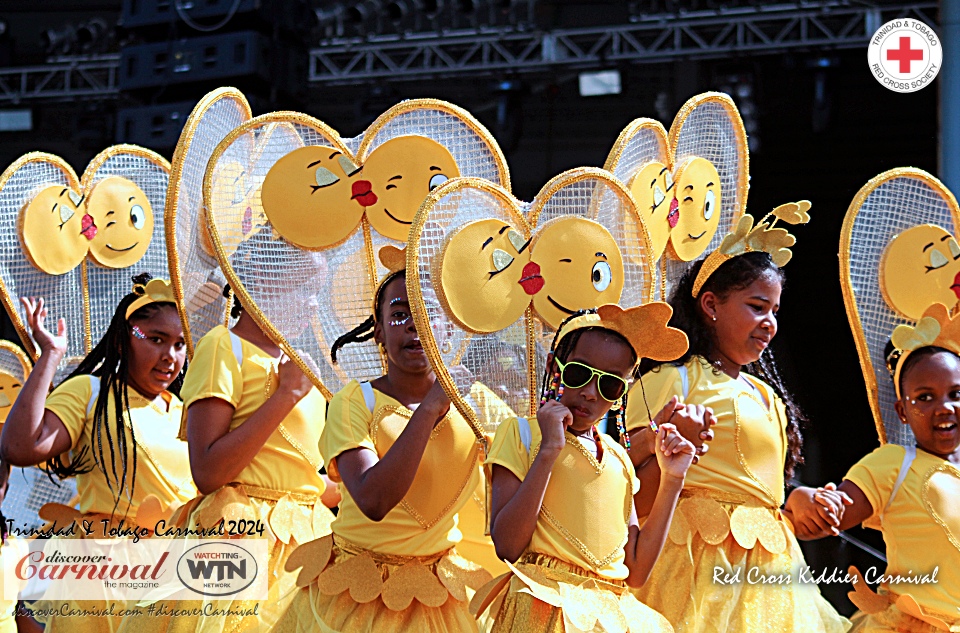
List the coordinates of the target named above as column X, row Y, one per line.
column 163, row 465
column 920, row 524
column 289, row 460
column 750, row 446
column 587, row 504
column 425, row 522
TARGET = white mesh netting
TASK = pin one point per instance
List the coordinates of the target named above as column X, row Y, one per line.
column 504, row 361
column 63, row 294
column 107, row 286
column 896, row 204
column 193, row 264
column 312, row 298
column 12, row 361
column 30, row 489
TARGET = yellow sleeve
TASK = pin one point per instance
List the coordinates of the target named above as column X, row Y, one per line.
column 876, row 475
column 507, row 449
column 625, row 458
column 213, row 372
column 69, row 402
column 347, row 426
column 659, row 385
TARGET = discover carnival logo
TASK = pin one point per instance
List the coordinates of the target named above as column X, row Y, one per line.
column 905, row 55
column 217, row 569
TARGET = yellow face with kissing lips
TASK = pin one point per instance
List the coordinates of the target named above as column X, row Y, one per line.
column 652, row 188
column 920, row 267
column 124, row 221
column 697, row 187
column 581, row 268
column 403, row 172
column 486, row 276
column 55, row 230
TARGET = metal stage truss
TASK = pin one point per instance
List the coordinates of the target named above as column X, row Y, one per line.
column 61, row 79
column 762, row 29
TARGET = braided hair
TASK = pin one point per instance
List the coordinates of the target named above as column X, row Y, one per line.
column 364, row 331
column 563, row 347
column 109, row 361
column 734, row 274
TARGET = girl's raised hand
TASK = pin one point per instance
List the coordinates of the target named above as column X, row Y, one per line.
column 36, row 317
column 292, row 380
column 553, row 418
column 674, row 452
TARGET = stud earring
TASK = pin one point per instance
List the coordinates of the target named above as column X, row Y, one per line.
column 714, row 317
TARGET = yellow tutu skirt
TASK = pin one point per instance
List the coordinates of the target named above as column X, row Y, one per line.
column 887, row 612
column 543, row 594
column 288, row 519
column 730, row 565
column 345, row 588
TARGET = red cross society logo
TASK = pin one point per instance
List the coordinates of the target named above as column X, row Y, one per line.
column 905, row 55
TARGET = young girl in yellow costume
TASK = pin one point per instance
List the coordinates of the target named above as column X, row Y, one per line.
column 129, row 465
column 253, row 422
column 729, row 517
column 563, row 493
column 407, row 463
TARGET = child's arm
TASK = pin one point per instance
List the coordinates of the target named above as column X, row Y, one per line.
column 32, row 434
column 516, row 504
column 816, row 513
column 674, row 456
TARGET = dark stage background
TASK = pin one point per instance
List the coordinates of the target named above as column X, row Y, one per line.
column 821, row 127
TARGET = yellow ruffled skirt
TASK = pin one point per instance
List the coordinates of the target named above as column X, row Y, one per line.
column 887, row 612
column 345, row 588
column 543, row 594
column 288, row 520
column 731, row 565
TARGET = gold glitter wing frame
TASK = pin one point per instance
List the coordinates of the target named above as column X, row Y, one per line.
column 150, row 172
column 867, row 288
column 630, row 152
column 251, row 306
column 528, row 336
column 178, row 181
column 10, row 355
column 19, row 277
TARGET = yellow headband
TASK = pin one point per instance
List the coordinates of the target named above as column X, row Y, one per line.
column 644, row 327
column 763, row 238
column 936, row 328
column 154, row 291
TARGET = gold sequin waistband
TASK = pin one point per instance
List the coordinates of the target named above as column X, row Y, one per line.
column 269, row 494
column 387, row 559
column 558, row 569
column 721, row 496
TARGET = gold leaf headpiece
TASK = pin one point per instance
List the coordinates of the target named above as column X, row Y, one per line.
column 154, row 291
column 644, row 327
column 764, row 237
column 936, row 328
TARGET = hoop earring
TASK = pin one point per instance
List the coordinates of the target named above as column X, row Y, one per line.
column 447, row 347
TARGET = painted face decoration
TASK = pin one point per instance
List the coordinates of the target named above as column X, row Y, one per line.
column 124, row 221
column 489, row 273
column 316, row 196
column 55, row 230
column 920, row 267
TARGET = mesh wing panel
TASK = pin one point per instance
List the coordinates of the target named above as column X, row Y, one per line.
column 709, row 126
column 107, row 286
column 193, row 265
column 30, row 489
column 12, row 362
column 896, row 203
column 63, row 294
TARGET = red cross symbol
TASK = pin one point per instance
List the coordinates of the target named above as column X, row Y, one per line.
column 905, row 54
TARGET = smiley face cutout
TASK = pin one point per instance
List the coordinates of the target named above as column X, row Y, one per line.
column 316, row 196
column 698, row 196
column 652, row 188
column 489, row 273
column 9, row 390
column 55, row 230
column 920, row 267
column 124, row 220
column 581, row 267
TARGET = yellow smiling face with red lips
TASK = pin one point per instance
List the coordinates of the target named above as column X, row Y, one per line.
column 652, row 188
column 920, row 267
column 124, row 221
column 315, row 196
column 697, row 187
column 55, row 230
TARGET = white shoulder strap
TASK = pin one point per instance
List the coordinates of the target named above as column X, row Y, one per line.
column 94, row 393
column 526, row 436
column 908, row 456
column 237, row 345
column 368, row 396
column 684, row 380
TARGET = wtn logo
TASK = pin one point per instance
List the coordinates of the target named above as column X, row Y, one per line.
column 224, row 568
